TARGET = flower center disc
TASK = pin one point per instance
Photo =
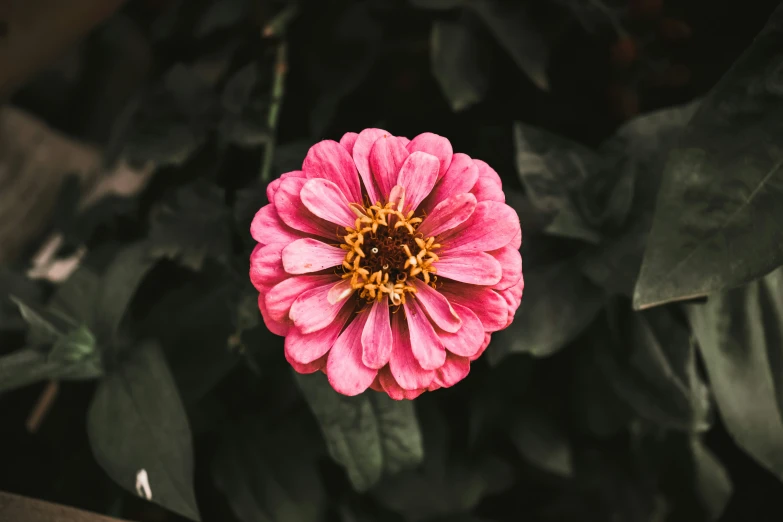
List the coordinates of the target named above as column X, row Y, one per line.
column 384, row 253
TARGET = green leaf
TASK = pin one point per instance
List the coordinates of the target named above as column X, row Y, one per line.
column 172, row 121
column 542, row 442
column 456, row 64
column 13, row 283
column 30, row 365
column 632, row 158
column 553, row 170
column 77, row 347
column 368, row 435
column 447, row 483
column 118, row 286
column 220, row 15
column 45, row 328
column 136, row 422
column 559, row 303
column 712, row 482
column 194, row 226
column 269, row 476
column 77, row 296
column 653, row 369
column 740, row 336
column 519, row 34
column 717, row 221
column 243, row 121
column 437, row 5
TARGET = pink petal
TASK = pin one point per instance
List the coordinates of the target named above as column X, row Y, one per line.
column 272, row 188
column 386, row 157
column 488, row 173
column 417, row 176
column 376, row 383
column 307, row 368
column 487, row 338
column 347, row 374
column 339, row 291
column 475, row 268
column 394, row 390
column 397, row 197
column 437, row 307
column 347, row 141
column 468, row 340
column 489, row 306
column 361, row 157
column 448, row 214
column 310, row 255
column 513, row 298
column 325, row 199
column 377, row 338
column 453, row 370
column 267, row 228
column 329, row 160
column 403, row 366
column 276, row 327
column 281, row 297
column 493, row 225
column 511, row 261
column 306, row 348
column 435, row 145
column 516, row 243
column 459, row 179
column 266, row 266
column 487, row 190
column 426, row 345
column 295, row 214
column 312, row 310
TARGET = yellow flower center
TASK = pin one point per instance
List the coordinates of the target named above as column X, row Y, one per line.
column 384, row 253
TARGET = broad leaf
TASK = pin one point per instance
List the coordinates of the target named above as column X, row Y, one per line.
column 118, row 286
column 44, row 327
column 138, row 430
column 740, row 335
column 559, row 303
column 632, row 159
column 368, row 435
column 554, row 170
column 651, row 364
column 717, row 221
column 542, row 442
column 514, row 29
column 30, row 365
column 456, row 64
column 448, row 483
column 269, row 476
column 712, row 482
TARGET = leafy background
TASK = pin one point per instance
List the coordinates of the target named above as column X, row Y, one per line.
column 640, row 143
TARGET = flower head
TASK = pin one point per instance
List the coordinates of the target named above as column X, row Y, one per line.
column 386, row 262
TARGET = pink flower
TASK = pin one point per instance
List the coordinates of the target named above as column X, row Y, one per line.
column 386, row 262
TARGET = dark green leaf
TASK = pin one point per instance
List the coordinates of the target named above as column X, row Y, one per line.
column 118, row 286
column 456, row 64
column 514, row 29
column 221, row 14
column 136, row 423
column 717, row 220
column 269, row 476
column 559, row 303
column 368, row 434
column 542, row 442
column 553, row 170
column 632, row 159
column 243, row 121
column 740, row 335
column 77, row 296
column 437, row 4
column 443, row 486
column 173, row 120
column 77, row 347
column 653, row 369
column 30, row 365
column 45, row 327
column 712, row 482
column 13, row 283
column 194, row 226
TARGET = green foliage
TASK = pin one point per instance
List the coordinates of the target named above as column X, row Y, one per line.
column 594, row 404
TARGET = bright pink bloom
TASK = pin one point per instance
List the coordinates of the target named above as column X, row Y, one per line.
column 387, row 263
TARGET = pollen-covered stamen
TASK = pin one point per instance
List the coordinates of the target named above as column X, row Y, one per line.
column 383, row 253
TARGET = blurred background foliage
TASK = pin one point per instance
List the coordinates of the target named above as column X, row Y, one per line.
column 639, row 141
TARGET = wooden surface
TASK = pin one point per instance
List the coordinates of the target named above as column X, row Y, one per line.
column 14, row 508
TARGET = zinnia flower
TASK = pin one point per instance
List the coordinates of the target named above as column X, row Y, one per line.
column 386, row 262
